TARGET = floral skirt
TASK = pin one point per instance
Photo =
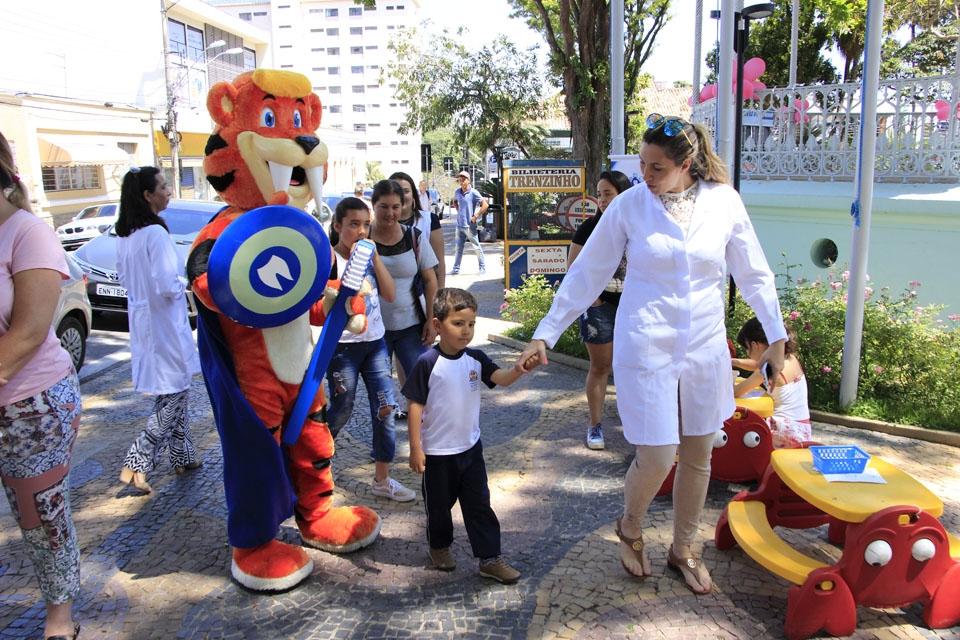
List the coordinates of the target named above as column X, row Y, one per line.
column 36, row 440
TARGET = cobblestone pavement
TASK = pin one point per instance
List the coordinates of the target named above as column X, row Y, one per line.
column 157, row 566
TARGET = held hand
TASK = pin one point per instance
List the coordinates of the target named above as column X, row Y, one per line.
column 530, row 363
column 418, row 461
column 535, row 351
column 772, row 363
column 428, row 335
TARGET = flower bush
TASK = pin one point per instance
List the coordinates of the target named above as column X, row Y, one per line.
column 910, row 356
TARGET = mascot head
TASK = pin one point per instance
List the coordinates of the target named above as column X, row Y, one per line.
column 264, row 141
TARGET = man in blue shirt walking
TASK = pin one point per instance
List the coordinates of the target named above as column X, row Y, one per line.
column 470, row 207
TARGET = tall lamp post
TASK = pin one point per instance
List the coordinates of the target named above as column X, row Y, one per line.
column 741, row 35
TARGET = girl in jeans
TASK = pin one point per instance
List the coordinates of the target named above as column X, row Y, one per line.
column 39, row 400
column 365, row 354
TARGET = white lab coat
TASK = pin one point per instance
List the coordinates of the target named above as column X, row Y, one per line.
column 163, row 354
column 669, row 332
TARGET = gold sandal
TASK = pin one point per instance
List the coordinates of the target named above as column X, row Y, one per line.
column 688, row 568
column 636, row 545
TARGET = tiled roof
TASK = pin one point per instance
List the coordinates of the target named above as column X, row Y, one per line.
column 666, row 99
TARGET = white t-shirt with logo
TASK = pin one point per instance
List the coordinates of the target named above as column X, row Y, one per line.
column 375, row 328
column 448, row 387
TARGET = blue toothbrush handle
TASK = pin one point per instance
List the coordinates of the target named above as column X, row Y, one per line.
column 322, row 354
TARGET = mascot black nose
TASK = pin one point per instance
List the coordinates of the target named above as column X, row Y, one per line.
column 307, row 143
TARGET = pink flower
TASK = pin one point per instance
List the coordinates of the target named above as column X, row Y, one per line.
column 836, row 285
column 877, row 369
column 867, row 292
column 826, row 369
column 915, row 284
column 845, row 275
column 794, row 315
column 504, row 307
column 954, row 317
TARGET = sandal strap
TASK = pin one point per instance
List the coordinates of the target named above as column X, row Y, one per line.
column 634, row 543
column 690, row 562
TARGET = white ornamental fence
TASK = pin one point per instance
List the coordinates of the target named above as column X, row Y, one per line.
column 811, row 132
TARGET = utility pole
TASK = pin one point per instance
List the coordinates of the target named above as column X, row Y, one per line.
column 170, row 128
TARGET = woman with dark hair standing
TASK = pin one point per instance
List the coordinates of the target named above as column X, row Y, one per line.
column 683, row 231
column 39, row 399
column 163, row 355
column 416, row 213
column 597, row 322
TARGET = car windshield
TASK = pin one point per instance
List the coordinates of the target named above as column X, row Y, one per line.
column 185, row 222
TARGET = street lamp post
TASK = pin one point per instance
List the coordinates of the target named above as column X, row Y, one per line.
column 742, row 25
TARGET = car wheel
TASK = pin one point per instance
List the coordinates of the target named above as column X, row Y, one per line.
column 73, row 338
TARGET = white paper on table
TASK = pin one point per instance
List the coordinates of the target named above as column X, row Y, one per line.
column 869, row 475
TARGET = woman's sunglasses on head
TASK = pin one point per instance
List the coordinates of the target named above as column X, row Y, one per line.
column 671, row 126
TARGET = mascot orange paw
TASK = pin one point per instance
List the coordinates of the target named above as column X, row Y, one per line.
column 341, row 529
column 274, row 566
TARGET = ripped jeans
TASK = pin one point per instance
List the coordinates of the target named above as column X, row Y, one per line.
column 369, row 359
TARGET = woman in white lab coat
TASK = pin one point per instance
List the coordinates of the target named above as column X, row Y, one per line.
column 163, row 355
column 683, row 231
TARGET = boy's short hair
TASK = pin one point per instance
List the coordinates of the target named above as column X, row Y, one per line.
column 451, row 299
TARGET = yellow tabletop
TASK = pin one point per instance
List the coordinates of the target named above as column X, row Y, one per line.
column 761, row 405
column 852, row 501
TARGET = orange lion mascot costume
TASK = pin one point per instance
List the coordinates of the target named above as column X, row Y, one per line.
column 264, row 151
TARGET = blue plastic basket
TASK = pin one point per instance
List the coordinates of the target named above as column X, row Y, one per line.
column 839, row 459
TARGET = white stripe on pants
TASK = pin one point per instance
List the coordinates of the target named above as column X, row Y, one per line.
column 166, row 427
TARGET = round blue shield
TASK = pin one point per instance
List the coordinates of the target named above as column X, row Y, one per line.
column 269, row 266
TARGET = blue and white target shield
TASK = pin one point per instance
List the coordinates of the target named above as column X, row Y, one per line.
column 269, row 266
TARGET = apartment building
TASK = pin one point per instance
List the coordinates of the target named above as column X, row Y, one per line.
column 343, row 48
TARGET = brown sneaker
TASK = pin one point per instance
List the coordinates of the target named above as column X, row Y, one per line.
column 442, row 559
column 499, row 570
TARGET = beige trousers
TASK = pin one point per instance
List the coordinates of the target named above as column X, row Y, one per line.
column 650, row 468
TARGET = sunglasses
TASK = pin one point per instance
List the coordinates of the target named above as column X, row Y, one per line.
column 671, row 126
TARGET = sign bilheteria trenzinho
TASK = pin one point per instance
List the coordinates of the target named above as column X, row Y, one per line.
column 546, row 260
column 545, row 179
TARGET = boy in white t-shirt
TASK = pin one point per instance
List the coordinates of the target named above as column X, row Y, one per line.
column 443, row 394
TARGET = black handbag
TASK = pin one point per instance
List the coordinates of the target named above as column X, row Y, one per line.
column 416, row 287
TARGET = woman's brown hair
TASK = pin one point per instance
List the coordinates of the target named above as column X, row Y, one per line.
column 693, row 142
column 13, row 189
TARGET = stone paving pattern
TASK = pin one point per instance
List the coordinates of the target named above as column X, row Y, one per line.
column 158, row 566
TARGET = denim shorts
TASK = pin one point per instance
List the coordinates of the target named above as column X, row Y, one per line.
column 596, row 324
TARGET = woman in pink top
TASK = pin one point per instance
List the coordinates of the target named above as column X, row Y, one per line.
column 39, row 399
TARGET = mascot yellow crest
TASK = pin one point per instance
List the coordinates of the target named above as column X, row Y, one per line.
column 264, row 142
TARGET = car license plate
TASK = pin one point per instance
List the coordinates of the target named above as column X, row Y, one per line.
column 111, row 290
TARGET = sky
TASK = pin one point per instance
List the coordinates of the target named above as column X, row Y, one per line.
column 671, row 60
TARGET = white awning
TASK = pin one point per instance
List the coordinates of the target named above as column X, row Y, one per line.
column 64, row 150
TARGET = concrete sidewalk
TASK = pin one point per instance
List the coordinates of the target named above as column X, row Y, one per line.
column 157, row 566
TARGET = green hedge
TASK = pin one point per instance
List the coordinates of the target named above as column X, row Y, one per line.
column 910, row 357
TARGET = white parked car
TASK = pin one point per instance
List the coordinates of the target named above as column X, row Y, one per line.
column 74, row 315
column 87, row 224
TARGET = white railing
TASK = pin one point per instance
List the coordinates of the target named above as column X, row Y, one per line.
column 811, row 132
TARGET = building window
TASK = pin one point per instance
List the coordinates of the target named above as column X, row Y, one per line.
column 333, row 71
column 360, row 127
column 316, row 10
column 372, row 86
column 390, row 26
column 394, row 143
column 374, row 67
column 393, row 124
column 315, row 88
column 404, row 162
column 361, row 146
column 286, row 46
column 357, row 88
column 372, row 47
column 370, row 27
column 246, row 16
column 333, row 51
column 356, row 11
column 356, row 31
column 70, row 178
column 283, row 6
column 286, row 66
column 332, row 13
column 320, row 69
column 374, row 124
column 374, row 144
column 285, row 26
column 336, row 126
column 356, row 69
column 399, row 7
column 389, row 7
column 359, row 108
column 356, row 50
column 334, row 108
column 404, row 143
column 374, row 106
column 249, row 59
column 333, row 31
column 334, row 90
column 259, row 14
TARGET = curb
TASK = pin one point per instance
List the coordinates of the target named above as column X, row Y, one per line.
column 948, row 438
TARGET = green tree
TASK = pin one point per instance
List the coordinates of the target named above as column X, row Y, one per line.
column 483, row 98
column 374, row 172
column 577, row 33
column 767, row 38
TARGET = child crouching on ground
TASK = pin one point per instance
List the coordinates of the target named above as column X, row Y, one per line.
column 790, row 424
column 443, row 393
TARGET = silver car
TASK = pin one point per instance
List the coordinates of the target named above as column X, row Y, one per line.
column 88, row 224
column 74, row 316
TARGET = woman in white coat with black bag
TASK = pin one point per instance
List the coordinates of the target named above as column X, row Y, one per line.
column 163, row 354
column 682, row 231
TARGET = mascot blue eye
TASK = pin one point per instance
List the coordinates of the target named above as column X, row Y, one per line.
column 297, row 120
column 267, row 118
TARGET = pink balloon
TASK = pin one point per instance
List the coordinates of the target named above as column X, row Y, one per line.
column 754, row 68
column 943, row 109
column 800, row 111
column 748, row 90
column 758, row 86
column 709, row 91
